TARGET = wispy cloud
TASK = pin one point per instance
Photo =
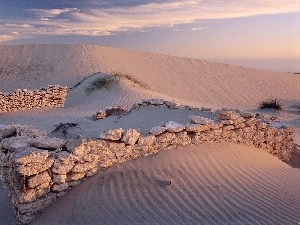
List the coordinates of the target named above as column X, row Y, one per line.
column 48, row 14
column 105, row 21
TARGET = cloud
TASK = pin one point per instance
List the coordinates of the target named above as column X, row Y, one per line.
column 94, row 21
column 48, row 14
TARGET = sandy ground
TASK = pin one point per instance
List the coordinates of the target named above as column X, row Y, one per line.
column 204, row 184
column 210, row 184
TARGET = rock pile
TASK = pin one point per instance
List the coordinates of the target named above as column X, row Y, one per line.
column 112, row 111
column 50, row 96
column 37, row 169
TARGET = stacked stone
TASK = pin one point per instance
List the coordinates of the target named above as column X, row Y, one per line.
column 112, row 111
column 24, row 169
column 51, row 96
column 168, row 104
column 37, row 169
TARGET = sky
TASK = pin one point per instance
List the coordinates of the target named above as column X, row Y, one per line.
column 253, row 33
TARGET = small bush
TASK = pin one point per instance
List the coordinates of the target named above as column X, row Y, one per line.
column 101, row 83
column 130, row 78
column 271, row 104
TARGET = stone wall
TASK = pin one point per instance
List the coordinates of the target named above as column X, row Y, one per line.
column 37, row 169
column 50, row 96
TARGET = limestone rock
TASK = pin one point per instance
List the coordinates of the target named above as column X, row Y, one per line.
column 83, row 167
column 30, row 155
column 29, row 130
column 35, row 168
column 205, row 109
column 196, row 128
column 77, row 146
column 113, row 134
column 130, row 136
column 75, row 176
column 247, row 115
column 38, row 205
column 100, row 115
column 174, row 127
column 17, row 142
column 92, row 172
column 157, row 130
column 7, row 131
column 59, row 187
column 38, row 179
column 59, row 178
column 48, row 142
column 200, row 120
column 226, row 115
column 172, row 104
column 66, row 157
column 62, row 168
column 90, row 158
column 156, row 101
column 148, row 140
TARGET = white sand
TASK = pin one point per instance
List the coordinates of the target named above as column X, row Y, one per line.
column 212, row 184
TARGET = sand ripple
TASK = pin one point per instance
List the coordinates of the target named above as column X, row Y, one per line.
column 204, row 184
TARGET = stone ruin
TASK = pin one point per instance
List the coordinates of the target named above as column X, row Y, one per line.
column 37, row 169
column 50, row 96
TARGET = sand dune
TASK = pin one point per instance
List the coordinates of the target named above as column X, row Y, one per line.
column 201, row 82
column 210, row 184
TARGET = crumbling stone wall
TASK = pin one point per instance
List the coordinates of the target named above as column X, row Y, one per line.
column 37, row 169
column 50, row 96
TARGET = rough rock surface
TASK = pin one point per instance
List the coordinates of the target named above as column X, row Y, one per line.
column 174, row 127
column 114, row 134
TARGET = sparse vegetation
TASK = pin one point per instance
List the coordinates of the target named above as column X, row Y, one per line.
column 101, row 83
column 62, row 129
column 130, row 78
column 271, row 104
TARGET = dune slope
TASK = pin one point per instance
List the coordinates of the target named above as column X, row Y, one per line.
column 204, row 184
column 202, row 82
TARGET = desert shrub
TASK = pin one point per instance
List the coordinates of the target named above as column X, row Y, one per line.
column 130, row 78
column 271, row 104
column 63, row 128
column 101, row 83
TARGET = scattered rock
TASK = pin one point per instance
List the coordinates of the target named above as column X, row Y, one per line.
column 100, row 115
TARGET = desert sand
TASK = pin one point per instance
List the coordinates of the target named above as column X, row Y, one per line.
column 210, row 184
